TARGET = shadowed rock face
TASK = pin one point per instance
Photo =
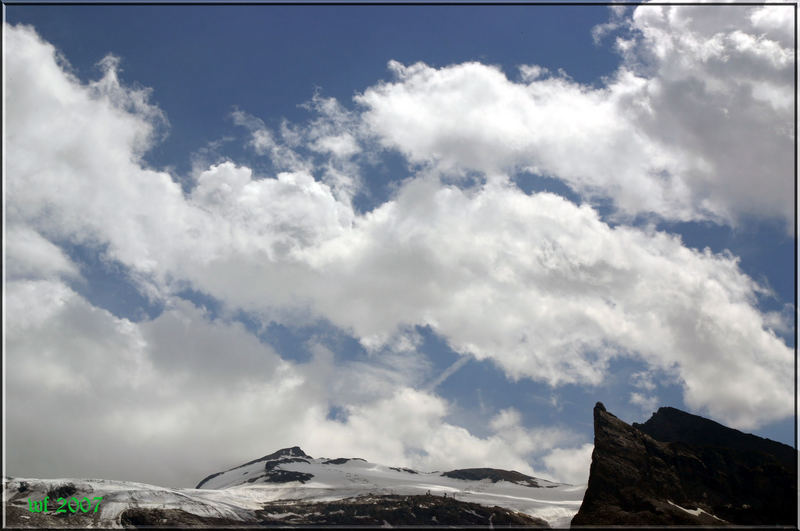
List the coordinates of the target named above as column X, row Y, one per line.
column 702, row 473
column 494, row 474
column 673, row 425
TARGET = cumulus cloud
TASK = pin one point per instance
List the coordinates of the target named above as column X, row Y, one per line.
column 581, row 292
column 721, row 92
column 542, row 287
column 696, row 123
column 28, row 254
column 189, row 395
column 418, row 435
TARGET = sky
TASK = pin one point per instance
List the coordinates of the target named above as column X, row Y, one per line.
column 425, row 236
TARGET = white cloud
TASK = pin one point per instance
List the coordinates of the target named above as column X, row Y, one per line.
column 341, row 145
column 91, row 395
column 448, row 372
column 617, row 21
column 470, row 117
column 541, row 286
column 335, row 133
column 643, row 380
column 286, row 214
column 780, row 322
column 263, row 142
column 721, row 93
column 570, row 465
column 84, row 151
column 696, row 123
column 409, row 427
column 581, row 293
column 28, row 254
column 194, row 395
column 778, row 23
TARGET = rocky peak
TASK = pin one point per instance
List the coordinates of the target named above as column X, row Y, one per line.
column 495, row 475
column 281, row 454
column 294, row 451
column 636, row 479
column 271, row 461
column 673, row 425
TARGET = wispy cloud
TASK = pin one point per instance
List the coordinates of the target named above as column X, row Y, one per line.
column 460, row 362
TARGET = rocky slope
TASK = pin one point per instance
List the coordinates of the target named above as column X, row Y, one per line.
column 681, row 469
column 373, row 511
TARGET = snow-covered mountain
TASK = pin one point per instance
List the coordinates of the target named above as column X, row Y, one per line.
column 290, row 487
column 292, row 474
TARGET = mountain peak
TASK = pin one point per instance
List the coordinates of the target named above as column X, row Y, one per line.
column 682, row 469
column 294, row 451
column 673, row 425
column 283, row 453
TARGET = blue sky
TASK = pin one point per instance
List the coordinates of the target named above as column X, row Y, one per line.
column 428, row 236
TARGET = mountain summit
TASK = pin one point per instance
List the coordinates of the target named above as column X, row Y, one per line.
column 673, row 425
column 291, row 474
column 293, row 464
column 683, row 469
column 284, row 455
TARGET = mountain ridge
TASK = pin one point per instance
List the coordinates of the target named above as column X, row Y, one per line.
column 274, row 470
column 674, row 469
column 636, row 479
column 670, row 424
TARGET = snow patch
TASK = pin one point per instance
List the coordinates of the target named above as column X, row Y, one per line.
column 694, row 512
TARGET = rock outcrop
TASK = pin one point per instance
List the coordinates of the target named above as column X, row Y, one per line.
column 495, row 474
column 681, row 469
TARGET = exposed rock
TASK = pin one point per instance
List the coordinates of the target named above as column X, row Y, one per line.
column 372, row 511
column 338, row 461
column 495, row 474
column 137, row 517
column 294, row 451
column 673, row 425
column 375, row 511
column 403, row 469
column 64, row 490
column 208, row 478
column 286, row 476
column 269, row 465
column 18, row 516
column 702, row 474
